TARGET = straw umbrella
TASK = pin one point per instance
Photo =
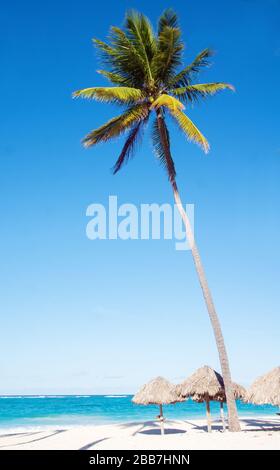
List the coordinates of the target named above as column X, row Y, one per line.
column 157, row 392
column 266, row 389
column 240, row 392
column 204, row 385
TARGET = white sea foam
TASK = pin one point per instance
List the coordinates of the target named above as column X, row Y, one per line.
column 56, row 396
column 11, row 396
column 32, row 397
column 116, row 396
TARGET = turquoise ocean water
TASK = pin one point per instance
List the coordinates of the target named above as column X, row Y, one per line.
column 34, row 411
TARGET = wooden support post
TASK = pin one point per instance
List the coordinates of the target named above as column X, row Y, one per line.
column 222, row 415
column 161, row 420
column 208, row 414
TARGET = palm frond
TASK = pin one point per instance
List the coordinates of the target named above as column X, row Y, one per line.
column 120, row 57
column 168, row 18
column 129, row 146
column 105, row 49
column 168, row 101
column 161, row 144
column 185, row 77
column 200, row 90
column 115, row 78
column 119, row 95
column 191, row 131
column 168, row 55
column 140, row 32
column 127, row 60
column 116, row 126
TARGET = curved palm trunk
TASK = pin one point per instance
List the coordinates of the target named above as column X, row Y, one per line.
column 232, row 411
column 233, row 422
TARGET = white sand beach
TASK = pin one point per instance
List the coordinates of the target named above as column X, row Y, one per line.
column 257, row 433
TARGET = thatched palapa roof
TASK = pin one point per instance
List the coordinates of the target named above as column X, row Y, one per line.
column 240, row 392
column 156, row 392
column 204, row 384
column 266, row 389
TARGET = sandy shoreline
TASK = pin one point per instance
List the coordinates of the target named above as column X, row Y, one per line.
column 257, row 433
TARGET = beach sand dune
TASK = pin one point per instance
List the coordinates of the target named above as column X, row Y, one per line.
column 257, row 433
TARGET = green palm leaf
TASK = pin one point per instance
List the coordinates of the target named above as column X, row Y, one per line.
column 191, row 131
column 168, row 18
column 121, row 57
column 111, row 94
column 168, row 55
column 168, row 101
column 186, row 75
column 116, row 126
column 115, row 78
column 140, row 32
column 129, row 146
column 161, row 144
column 201, row 90
column 106, row 51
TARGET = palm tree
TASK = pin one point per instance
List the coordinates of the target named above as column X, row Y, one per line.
column 143, row 67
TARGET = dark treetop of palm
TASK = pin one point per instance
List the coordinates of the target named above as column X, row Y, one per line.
column 146, row 69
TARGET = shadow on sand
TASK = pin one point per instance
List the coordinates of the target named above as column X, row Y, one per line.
column 91, row 444
column 261, row 425
column 251, row 425
column 156, row 431
column 152, row 428
column 203, row 427
column 34, row 440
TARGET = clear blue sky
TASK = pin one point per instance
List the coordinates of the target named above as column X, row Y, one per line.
column 105, row 316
